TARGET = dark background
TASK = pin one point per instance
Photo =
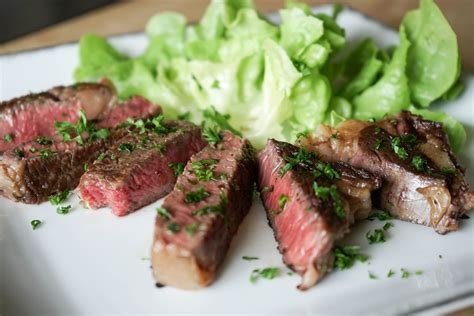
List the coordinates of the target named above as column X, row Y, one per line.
column 20, row 17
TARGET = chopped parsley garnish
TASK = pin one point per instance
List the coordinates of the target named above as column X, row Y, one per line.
column 58, row 198
column 381, row 216
column 220, row 119
column 448, row 170
column 192, row 228
column 346, row 256
column 334, row 136
column 203, row 169
column 213, row 135
column 154, row 124
column 46, row 153
column 282, row 201
column 161, row 148
column 215, row 84
column 377, row 144
column 405, row 273
column 390, row 273
column 409, row 139
column 307, row 160
column 44, row 140
column 377, row 130
column 35, row 224
column 267, row 273
column 419, row 163
column 126, row 147
column 398, row 148
column 159, row 128
column 74, row 132
column 8, row 138
column 196, row 196
column 249, row 258
column 372, row 276
column 387, row 226
column 324, row 193
column 178, row 168
column 86, row 167
column 375, row 236
column 302, row 134
column 113, row 157
column 173, row 227
column 63, row 210
column 101, row 157
column 162, row 212
column 208, row 210
column 185, row 116
column 19, row 153
column 419, row 272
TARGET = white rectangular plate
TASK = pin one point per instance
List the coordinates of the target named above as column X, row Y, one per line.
column 91, row 262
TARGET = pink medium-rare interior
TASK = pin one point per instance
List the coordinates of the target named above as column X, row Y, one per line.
column 30, row 122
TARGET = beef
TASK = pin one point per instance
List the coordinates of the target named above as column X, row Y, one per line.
column 135, row 171
column 310, row 205
column 34, row 170
column 201, row 215
column 25, row 118
column 422, row 180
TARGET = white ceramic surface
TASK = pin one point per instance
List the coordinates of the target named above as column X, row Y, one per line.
column 91, row 262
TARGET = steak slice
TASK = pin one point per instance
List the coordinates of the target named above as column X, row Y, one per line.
column 25, row 118
column 35, row 170
column 135, row 171
column 310, row 204
column 200, row 216
column 422, row 181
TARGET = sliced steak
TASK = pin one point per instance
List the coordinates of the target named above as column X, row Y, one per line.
column 25, row 118
column 422, row 181
column 135, row 171
column 310, row 204
column 201, row 215
column 31, row 172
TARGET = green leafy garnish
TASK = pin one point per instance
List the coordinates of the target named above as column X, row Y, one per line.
column 377, row 144
column 173, row 227
column 161, row 148
column 375, row 236
column 346, row 256
column 19, row 153
column 63, row 210
column 419, row 163
column 213, row 135
column 448, row 170
column 267, row 273
column 75, row 132
column 419, row 272
column 405, row 273
column 390, row 273
column 249, row 258
column 208, row 210
column 44, row 140
column 8, row 138
column 221, row 120
column 126, row 147
column 162, row 212
column 381, row 216
column 177, row 167
column 372, row 276
column 203, row 169
column 101, row 157
column 324, row 193
column 387, row 226
column 282, row 199
column 192, row 228
column 35, row 224
column 196, row 196
column 397, row 147
column 58, row 198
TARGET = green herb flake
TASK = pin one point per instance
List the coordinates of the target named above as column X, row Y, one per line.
column 334, row 136
column 185, row 116
column 282, row 201
column 35, row 224
column 46, row 153
column 126, row 147
column 213, row 135
column 398, row 149
column 267, row 273
column 377, row 130
column 86, row 167
column 161, row 148
column 375, row 236
column 324, row 193
column 63, row 210
column 419, row 272
column 44, row 140
column 196, row 196
column 405, row 273
column 409, row 139
column 8, row 138
column 19, row 153
column 203, row 169
column 390, row 273
column 173, row 227
column 346, row 256
column 381, row 216
column 372, row 276
column 220, row 119
column 419, row 163
column 74, row 132
column 178, row 168
column 448, row 170
column 113, row 157
column 192, row 228
column 164, row 213
column 58, row 198
column 208, row 210
column 377, row 144
column 249, row 258
column 387, row 226
column 101, row 157
column 215, row 84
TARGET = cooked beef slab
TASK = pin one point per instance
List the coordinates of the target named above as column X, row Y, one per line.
column 32, row 171
column 310, row 204
column 25, row 118
column 135, row 171
column 201, row 215
column 422, row 180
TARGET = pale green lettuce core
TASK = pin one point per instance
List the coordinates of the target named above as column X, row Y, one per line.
column 277, row 80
